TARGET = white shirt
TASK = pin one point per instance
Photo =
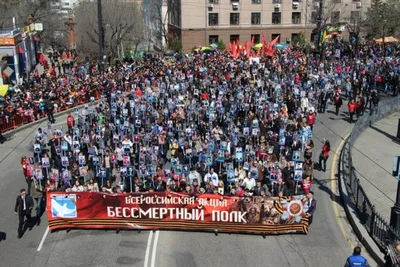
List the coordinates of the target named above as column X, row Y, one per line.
column 23, row 200
column 194, row 175
column 78, row 188
column 249, row 183
column 127, row 142
column 119, row 151
column 68, row 139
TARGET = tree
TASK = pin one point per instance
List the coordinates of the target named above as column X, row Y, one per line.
column 156, row 18
column 221, row 45
column 382, row 19
column 119, row 26
column 327, row 10
column 299, row 40
column 40, row 10
column 176, row 44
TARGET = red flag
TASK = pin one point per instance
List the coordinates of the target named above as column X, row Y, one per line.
column 252, row 41
column 264, row 41
column 248, row 49
column 234, row 49
column 229, row 48
column 270, row 48
column 258, row 53
column 273, row 42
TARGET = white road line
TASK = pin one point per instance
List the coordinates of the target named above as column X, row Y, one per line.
column 43, row 239
column 153, row 253
column 146, row 257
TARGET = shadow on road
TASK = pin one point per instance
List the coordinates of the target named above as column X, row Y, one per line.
column 392, row 137
column 3, row 236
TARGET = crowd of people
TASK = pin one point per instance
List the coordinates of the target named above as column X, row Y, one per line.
column 199, row 123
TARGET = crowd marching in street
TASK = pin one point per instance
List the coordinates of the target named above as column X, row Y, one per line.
column 199, row 123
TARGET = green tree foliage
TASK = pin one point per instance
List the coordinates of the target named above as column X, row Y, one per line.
column 299, row 40
column 382, row 18
column 176, row 45
column 221, row 45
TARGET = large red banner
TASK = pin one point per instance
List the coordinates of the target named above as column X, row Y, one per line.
column 173, row 211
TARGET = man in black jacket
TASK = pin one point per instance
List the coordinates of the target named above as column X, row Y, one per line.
column 374, row 101
column 50, row 111
column 23, row 207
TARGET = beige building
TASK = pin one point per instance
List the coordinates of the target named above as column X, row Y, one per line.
column 208, row 21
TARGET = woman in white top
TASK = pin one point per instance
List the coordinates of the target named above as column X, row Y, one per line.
column 249, row 183
column 120, row 153
column 92, row 186
column 77, row 187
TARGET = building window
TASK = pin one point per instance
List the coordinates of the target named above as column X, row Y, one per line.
column 336, row 1
column 213, row 39
column 274, row 35
column 256, row 38
column 256, row 1
column 354, row 16
column 294, row 37
column 213, row 1
column 213, row 19
column 296, row 17
column 335, row 17
column 276, row 1
column 256, row 18
column 276, row 18
column 234, row 18
column 234, row 38
column 314, row 16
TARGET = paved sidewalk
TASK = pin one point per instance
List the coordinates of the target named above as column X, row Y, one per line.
column 372, row 155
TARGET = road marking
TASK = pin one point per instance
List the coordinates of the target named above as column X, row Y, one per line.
column 43, row 239
column 153, row 253
column 333, row 189
column 146, row 257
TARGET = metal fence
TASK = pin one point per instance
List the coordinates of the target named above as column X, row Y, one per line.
column 377, row 226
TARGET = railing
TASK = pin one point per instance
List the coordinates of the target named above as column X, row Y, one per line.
column 15, row 121
column 377, row 226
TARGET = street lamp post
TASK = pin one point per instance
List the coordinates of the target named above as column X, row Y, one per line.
column 101, row 33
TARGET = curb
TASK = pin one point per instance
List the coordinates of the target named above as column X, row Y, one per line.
column 39, row 121
column 351, row 214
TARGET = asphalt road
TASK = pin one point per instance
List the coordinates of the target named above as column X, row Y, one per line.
column 328, row 242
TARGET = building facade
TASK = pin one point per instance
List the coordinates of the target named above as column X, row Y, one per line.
column 199, row 23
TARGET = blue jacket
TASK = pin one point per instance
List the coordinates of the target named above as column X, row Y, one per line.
column 356, row 261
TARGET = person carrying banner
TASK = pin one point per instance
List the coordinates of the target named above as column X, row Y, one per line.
column 312, row 205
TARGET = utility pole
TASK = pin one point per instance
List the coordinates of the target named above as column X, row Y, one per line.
column 320, row 27
column 101, row 33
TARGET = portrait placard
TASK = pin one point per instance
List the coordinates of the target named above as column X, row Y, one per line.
column 81, row 160
column 64, row 161
column 45, row 162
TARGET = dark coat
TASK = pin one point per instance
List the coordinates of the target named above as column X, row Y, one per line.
column 28, row 202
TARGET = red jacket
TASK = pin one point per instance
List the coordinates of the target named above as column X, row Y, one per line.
column 26, row 169
column 138, row 92
column 70, row 121
column 311, row 119
column 352, row 107
column 205, row 96
column 325, row 150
